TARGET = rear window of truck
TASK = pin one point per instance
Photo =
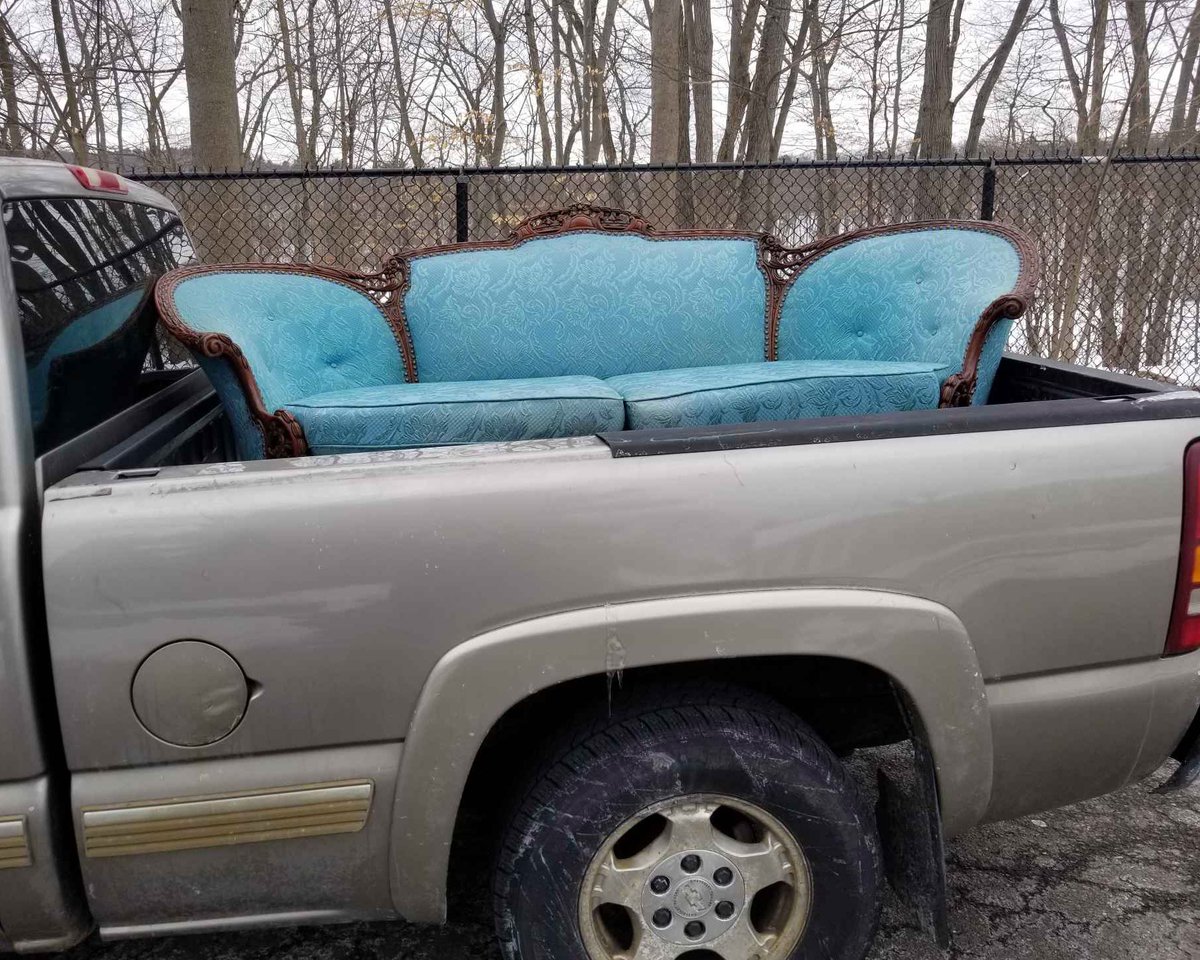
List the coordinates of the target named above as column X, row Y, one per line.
column 84, row 272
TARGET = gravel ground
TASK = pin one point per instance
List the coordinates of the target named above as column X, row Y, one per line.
column 1117, row 877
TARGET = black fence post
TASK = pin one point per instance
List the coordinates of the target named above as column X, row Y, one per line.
column 462, row 209
column 987, row 207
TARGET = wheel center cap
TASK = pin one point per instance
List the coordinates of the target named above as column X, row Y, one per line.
column 693, row 898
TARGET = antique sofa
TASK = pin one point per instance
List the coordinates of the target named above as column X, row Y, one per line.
column 589, row 320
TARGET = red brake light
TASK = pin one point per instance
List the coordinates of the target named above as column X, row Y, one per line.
column 1185, row 617
column 99, row 180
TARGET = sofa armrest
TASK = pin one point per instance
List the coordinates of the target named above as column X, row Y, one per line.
column 958, row 389
column 248, row 381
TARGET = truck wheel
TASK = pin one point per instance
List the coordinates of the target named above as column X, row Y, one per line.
column 690, row 828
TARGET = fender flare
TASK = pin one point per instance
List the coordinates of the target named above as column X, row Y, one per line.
column 920, row 644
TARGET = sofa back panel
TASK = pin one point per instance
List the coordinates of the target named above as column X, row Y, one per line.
column 302, row 334
column 588, row 304
column 911, row 295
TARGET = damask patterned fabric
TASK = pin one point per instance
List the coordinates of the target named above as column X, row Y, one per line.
column 301, row 334
column 247, row 436
column 782, row 390
column 437, row 414
column 585, row 332
column 586, row 304
column 904, row 296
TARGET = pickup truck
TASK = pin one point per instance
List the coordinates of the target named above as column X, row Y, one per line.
column 307, row 689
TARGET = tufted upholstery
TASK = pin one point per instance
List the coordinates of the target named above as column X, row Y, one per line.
column 912, row 295
column 587, row 320
column 784, row 390
column 301, row 334
column 585, row 303
column 436, row 414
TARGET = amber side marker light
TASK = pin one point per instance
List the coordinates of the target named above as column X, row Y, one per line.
column 1185, row 617
column 99, row 180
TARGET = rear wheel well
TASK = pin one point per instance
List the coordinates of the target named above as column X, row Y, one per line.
column 849, row 704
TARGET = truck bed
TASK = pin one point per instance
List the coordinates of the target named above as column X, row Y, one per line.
column 180, row 422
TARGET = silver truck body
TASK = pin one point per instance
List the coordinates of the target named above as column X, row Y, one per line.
column 1014, row 581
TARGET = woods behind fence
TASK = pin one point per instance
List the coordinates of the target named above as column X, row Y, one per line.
column 1120, row 282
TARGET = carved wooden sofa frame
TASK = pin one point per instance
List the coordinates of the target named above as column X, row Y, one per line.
column 780, row 264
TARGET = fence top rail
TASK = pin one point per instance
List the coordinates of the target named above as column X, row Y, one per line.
column 315, row 173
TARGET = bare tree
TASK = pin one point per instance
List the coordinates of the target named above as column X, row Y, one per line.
column 700, row 64
column 419, row 82
column 1182, row 132
column 12, row 138
column 212, row 85
column 999, row 61
column 743, row 21
column 935, row 122
column 666, row 78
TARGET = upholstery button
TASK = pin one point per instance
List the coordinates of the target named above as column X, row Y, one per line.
column 860, row 333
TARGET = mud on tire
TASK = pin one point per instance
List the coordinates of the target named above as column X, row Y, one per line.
column 703, row 741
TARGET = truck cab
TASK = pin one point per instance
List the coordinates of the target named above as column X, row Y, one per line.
column 82, row 250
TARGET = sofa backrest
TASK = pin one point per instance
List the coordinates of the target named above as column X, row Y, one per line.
column 913, row 292
column 585, row 303
column 300, row 333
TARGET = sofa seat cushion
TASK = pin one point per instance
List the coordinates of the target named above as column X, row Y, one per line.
column 780, row 390
column 406, row 415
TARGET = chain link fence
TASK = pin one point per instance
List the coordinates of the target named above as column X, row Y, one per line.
column 1120, row 282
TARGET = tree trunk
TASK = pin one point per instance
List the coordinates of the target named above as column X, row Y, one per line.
column 315, row 88
column 402, row 98
column 89, row 47
column 499, row 126
column 292, row 75
column 742, row 22
column 764, row 90
column 212, row 82
column 598, row 55
column 70, row 112
column 1138, row 137
column 13, row 136
column 1068, row 57
column 978, row 114
column 1089, row 142
column 537, row 75
column 700, row 47
column 666, row 74
column 1180, row 134
column 560, row 155
column 894, row 143
column 795, row 55
column 935, row 120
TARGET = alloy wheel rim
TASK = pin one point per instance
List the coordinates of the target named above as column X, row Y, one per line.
column 703, row 876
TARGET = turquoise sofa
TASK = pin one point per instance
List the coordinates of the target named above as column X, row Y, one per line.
column 589, row 320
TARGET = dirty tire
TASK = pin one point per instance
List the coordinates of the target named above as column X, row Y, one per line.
column 672, row 742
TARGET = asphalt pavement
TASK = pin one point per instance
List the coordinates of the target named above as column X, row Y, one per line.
column 1116, row 878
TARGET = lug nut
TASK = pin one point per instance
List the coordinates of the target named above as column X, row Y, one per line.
column 725, row 909
column 690, row 863
column 662, row 917
column 723, row 877
column 694, row 930
column 660, row 885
